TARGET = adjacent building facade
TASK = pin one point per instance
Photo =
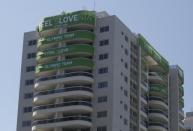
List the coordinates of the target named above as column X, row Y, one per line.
column 188, row 122
column 86, row 71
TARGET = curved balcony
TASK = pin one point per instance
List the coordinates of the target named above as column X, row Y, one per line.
column 44, row 111
column 65, row 122
column 48, row 96
column 158, row 102
column 45, row 83
column 157, row 114
column 73, row 64
column 157, row 78
column 70, row 50
column 156, row 126
column 158, row 90
column 78, row 20
column 81, row 36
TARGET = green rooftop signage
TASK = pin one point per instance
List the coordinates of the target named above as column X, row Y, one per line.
column 70, row 36
column 67, row 50
column 77, row 62
column 68, row 19
column 153, row 53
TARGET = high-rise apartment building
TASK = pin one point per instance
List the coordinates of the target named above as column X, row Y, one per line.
column 86, row 71
column 176, row 98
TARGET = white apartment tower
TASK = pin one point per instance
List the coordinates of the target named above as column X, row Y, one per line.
column 86, row 71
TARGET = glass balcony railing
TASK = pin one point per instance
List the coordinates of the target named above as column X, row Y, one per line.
column 63, row 119
column 77, row 49
column 156, row 74
column 158, row 124
column 71, row 63
column 70, row 103
column 66, row 89
column 158, row 88
column 66, row 75
column 82, row 35
column 158, row 111
column 181, row 102
column 164, row 100
column 181, row 89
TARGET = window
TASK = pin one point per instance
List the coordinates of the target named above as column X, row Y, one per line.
column 103, row 56
column 104, row 29
column 26, row 123
column 29, row 82
column 103, row 70
column 126, row 79
column 102, row 99
column 103, row 84
column 30, row 68
column 125, row 107
column 31, row 55
column 126, row 38
column 126, row 65
column 27, row 109
column 28, row 95
column 101, row 128
column 125, row 92
column 102, row 114
column 104, row 42
column 126, row 52
column 32, row 42
column 125, row 122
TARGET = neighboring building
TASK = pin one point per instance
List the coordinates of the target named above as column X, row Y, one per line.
column 92, row 74
column 188, row 122
column 176, row 98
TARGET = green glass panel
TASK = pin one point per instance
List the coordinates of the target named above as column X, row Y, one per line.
column 77, row 62
column 66, row 37
column 66, row 50
column 153, row 53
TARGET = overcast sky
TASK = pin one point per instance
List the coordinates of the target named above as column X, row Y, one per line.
column 166, row 24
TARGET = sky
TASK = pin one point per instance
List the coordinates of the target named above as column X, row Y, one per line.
column 166, row 24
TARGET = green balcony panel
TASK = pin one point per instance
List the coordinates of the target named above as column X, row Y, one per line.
column 68, row 20
column 181, row 74
column 158, row 88
column 181, row 89
column 181, row 103
column 67, row 50
column 71, row 36
column 73, row 63
column 153, row 53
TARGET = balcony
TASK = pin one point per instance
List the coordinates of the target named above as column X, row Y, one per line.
column 158, row 90
column 70, row 50
column 156, row 126
column 45, row 111
column 81, row 36
column 44, row 97
column 158, row 102
column 158, row 115
column 65, row 122
column 45, row 83
column 181, row 103
column 181, row 90
column 72, row 64
column 157, row 78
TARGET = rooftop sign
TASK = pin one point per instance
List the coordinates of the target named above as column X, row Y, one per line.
column 69, row 19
